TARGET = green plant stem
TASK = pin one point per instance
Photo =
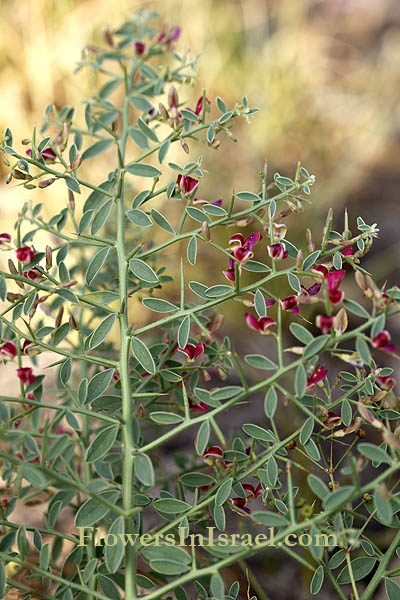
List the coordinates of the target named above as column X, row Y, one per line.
column 351, row 574
column 127, row 413
column 373, row 584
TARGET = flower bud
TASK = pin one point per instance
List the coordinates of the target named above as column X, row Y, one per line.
column 340, row 322
column 71, row 200
column 173, row 98
column 59, row 317
column 141, row 411
column 279, row 230
column 11, row 297
column 310, row 244
column 76, row 163
column 108, row 37
column 73, row 323
column 206, row 230
column 184, row 146
column 299, row 260
column 163, row 111
column 49, row 258
column 26, row 141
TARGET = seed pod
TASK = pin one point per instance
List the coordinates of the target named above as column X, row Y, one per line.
column 21, row 175
column 173, row 98
column 46, row 182
column 11, row 297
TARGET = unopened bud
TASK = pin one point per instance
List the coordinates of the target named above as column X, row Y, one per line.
column 141, row 411
column 5, row 161
column 185, row 146
column 173, row 98
column 64, row 137
column 71, row 200
column 26, row 141
column 76, row 163
column 68, row 284
column 59, row 317
column 9, row 177
column 49, row 258
column 341, row 321
column 108, row 37
column 46, row 182
column 163, row 111
column 73, row 324
column 367, row 498
column 309, row 240
column 299, row 259
column 206, row 230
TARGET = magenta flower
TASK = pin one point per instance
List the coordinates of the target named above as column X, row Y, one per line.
column 325, row 322
column 25, row 374
column 25, row 346
column 212, row 453
column 187, row 184
column 48, row 154
column 242, row 249
column 9, row 349
column 291, row 303
column 5, row 238
column 347, row 251
column 277, row 251
column 254, row 492
column 33, row 274
column 25, row 254
column 382, row 340
column 230, row 273
column 139, row 48
column 317, row 375
column 334, row 280
column 176, row 32
column 199, row 105
column 193, row 351
column 321, row 270
column 387, row 383
column 261, row 325
column 200, row 407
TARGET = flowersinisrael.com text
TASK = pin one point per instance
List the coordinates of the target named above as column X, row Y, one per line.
column 211, row 538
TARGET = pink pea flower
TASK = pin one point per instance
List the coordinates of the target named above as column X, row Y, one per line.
column 387, row 383
column 199, row 105
column 176, row 32
column 213, row 453
column 25, row 374
column 382, row 340
column 230, row 273
column 5, row 238
column 9, row 349
column 48, row 154
column 241, row 503
column 139, row 48
column 321, row 270
column 317, row 375
column 33, row 274
column 25, row 254
column 193, row 351
column 187, row 184
column 325, row 322
column 254, row 492
column 261, row 325
column 347, row 251
column 242, row 249
column 200, row 407
column 277, row 251
column 291, row 303
column 334, row 280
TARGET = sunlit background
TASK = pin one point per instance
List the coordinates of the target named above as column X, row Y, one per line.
column 325, row 74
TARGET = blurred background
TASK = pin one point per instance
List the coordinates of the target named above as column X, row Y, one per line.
column 325, row 75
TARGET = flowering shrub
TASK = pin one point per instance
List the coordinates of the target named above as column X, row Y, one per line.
column 97, row 444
